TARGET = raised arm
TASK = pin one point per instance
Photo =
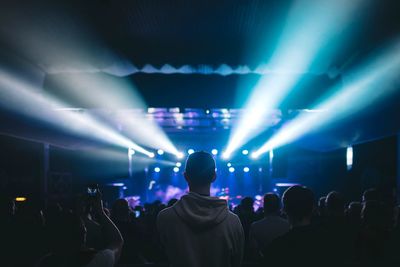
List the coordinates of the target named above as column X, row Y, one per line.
column 113, row 237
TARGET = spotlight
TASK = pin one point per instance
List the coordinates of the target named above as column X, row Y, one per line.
column 349, row 157
column 229, row 164
column 226, row 155
column 207, row 111
column 151, row 155
column 296, row 52
column 214, row 152
column 245, row 152
column 359, row 84
column 179, row 155
column 255, row 155
column 156, row 169
column 178, row 164
column 231, row 169
column 160, row 152
column 275, row 190
column 176, row 169
column 131, row 152
column 190, row 151
column 246, row 169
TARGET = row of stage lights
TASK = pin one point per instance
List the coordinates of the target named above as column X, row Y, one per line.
column 231, row 169
column 190, row 151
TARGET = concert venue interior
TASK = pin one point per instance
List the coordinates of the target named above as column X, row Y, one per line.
column 119, row 93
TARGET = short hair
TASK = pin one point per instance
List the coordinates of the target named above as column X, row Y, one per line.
column 371, row 194
column 298, row 202
column 200, row 168
column 271, row 203
column 373, row 213
column 334, row 202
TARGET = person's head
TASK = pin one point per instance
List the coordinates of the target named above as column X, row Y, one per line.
column 246, row 204
column 353, row 213
column 298, row 204
column 120, row 210
column 271, row 203
column 200, row 170
column 373, row 214
column 321, row 206
column 371, row 194
column 334, row 204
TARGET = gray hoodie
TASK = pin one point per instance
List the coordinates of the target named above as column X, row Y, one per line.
column 201, row 231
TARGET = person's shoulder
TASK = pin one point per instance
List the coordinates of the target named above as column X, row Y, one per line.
column 166, row 215
column 233, row 218
column 259, row 222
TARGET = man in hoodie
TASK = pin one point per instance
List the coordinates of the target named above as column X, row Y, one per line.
column 199, row 230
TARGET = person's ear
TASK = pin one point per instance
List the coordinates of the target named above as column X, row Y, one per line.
column 186, row 177
column 214, row 177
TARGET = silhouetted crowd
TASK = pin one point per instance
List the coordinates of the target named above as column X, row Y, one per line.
column 328, row 232
column 200, row 230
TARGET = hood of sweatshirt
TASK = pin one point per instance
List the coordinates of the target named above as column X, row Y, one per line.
column 201, row 212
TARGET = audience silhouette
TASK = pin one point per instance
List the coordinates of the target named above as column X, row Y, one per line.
column 200, row 230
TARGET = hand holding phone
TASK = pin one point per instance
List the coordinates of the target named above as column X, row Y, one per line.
column 92, row 190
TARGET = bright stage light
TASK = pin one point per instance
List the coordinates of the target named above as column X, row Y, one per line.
column 371, row 82
column 246, row 169
column 226, row 155
column 178, row 164
column 20, row 199
column 255, row 155
column 160, row 152
column 151, row 155
column 131, row 152
column 214, row 152
column 190, row 151
column 231, row 169
column 176, row 169
column 349, row 157
column 229, row 164
column 180, row 155
column 157, row 169
column 312, row 34
column 245, row 152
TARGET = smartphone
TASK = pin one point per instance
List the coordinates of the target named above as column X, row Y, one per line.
column 137, row 214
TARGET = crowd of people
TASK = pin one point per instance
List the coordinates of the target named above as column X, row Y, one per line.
column 201, row 230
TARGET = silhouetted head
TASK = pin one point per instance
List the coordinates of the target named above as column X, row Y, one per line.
column 200, row 169
column 371, row 194
column 353, row 213
column 334, row 204
column 321, row 206
column 373, row 214
column 271, row 203
column 120, row 210
column 298, row 204
column 246, row 204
